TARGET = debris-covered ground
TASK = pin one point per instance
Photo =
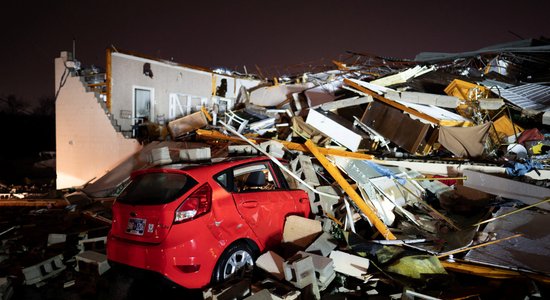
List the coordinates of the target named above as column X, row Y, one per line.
column 427, row 178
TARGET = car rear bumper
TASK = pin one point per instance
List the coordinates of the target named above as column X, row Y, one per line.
column 182, row 264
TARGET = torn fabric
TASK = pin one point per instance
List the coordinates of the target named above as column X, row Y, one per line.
column 464, row 141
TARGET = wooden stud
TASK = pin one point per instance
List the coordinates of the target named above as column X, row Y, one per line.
column 361, row 204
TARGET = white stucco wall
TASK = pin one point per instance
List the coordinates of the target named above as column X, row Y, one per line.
column 127, row 74
column 87, row 144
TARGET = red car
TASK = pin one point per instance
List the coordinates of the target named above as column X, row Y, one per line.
column 201, row 224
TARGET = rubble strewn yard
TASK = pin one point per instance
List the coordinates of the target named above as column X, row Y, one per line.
column 427, row 179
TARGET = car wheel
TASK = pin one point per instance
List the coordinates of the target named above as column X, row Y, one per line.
column 236, row 261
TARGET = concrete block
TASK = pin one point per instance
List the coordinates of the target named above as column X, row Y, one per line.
column 242, row 149
column 160, row 156
column 328, row 204
column 324, row 268
column 300, row 272
column 301, row 231
column 92, row 257
column 92, row 244
column 272, row 263
column 351, row 265
column 323, row 245
column 197, row 154
column 56, row 238
column 49, row 268
column 229, row 290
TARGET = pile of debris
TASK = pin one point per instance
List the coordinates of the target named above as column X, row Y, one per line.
column 418, row 172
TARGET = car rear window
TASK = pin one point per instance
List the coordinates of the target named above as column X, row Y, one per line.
column 156, row 188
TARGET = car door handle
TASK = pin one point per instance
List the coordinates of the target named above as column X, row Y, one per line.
column 250, row 204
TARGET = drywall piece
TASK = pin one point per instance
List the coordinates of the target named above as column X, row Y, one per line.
column 300, row 272
column 424, row 98
column 56, row 238
column 92, row 257
column 196, row 154
column 327, row 204
column 491, row 103
column 546, row 118
column 403, row 76
column 242, row 149
column 160, row 156
column 229, row 290
column 323, row 245
column 274, row 95
column 351, row 265
column 49, row 268
column 454, row 169
column 180, row 127
column 274, row 148
column 507, row 188
column 301, row 231
column 346, row 103
column 324, row 269
column 272, row 263
column 337, row 128
column 322, row 93
column 303, row 167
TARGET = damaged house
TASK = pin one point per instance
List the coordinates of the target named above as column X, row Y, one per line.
column 419, row 174
column 98, row 113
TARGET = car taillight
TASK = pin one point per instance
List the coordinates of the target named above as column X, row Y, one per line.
column 198, row 203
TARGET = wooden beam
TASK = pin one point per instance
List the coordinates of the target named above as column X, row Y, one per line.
column 489, row 272
column 392, row 103
column 108, row 77
column 361, row 204
column 33, row 202
column 212, row 134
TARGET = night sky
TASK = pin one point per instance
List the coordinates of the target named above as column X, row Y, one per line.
column 233, row 33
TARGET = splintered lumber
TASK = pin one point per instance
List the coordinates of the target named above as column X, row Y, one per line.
column 212, row 134
column 365, row 209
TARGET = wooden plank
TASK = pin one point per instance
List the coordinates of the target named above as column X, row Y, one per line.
column 34, row 202
column 392, row 103
column 108, row 79
column 350, row 191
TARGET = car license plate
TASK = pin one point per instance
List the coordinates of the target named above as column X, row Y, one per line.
column 136, row 226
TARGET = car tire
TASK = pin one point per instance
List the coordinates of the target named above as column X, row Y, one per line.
column 236, row 261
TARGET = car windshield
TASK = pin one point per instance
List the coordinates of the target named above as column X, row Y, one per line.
column 156, row 188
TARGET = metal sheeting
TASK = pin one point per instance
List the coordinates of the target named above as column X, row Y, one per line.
column 528, row 96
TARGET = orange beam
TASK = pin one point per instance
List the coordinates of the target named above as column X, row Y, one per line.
column 212, row 134
column 350, row 191
column 108, row 71
column 392, row 103
column 35, row 203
